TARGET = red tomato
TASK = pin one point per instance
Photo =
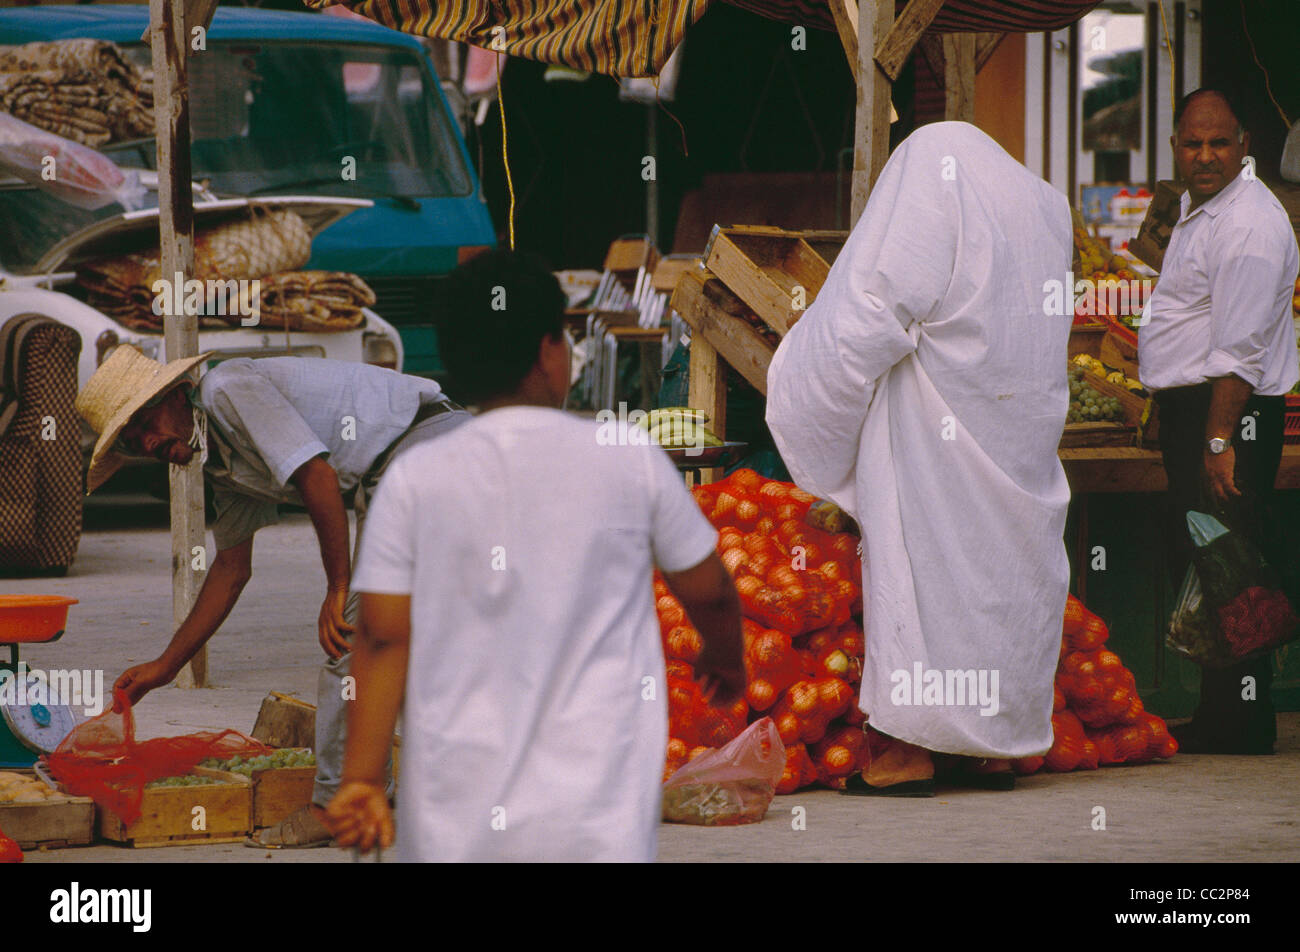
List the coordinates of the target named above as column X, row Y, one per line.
column 9, row 850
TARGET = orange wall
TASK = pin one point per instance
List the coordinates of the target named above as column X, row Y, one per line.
column 1000, row 95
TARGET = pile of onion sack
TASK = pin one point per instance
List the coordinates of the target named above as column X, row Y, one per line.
column 801, row 597
column 1097, row 718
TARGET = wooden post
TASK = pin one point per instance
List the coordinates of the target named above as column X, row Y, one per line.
column 959, row 76
column 708, row 392
column 169, row 42
column 871, row 128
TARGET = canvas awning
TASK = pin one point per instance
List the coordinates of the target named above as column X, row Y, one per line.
column 636, row 37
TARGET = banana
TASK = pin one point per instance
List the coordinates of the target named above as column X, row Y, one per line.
column 683, row 413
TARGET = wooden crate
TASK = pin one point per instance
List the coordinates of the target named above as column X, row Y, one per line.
column 167, row 814
column 51, row 824
column 281, row 792
column 1096, row 434
column 716, row 315
column 769, row 269
column 285, row 721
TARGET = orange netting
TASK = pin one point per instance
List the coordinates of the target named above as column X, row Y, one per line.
column 101, row 758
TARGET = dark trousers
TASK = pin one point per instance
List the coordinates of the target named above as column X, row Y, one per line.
column 1183, row 415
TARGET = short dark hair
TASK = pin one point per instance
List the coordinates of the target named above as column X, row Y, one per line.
column 1223, row 94
column 492, row 314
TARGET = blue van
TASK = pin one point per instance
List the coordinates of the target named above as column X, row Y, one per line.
column 309, row 104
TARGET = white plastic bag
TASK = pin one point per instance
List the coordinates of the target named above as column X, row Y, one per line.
column 68, row 170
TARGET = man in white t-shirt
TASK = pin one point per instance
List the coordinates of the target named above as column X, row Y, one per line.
column 506, row 586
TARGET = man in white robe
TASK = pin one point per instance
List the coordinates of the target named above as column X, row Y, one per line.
column 925, row 392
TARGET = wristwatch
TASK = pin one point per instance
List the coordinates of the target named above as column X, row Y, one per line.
column 1219, row 445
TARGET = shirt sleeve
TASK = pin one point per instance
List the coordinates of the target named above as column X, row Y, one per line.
column 1248, row 284
column 238, row 517
column 680, row 536
column 386, row 564
column 248, row 404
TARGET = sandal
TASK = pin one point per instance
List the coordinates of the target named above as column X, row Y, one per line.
column 972, row 775
column 856, row 786
column 298, row 831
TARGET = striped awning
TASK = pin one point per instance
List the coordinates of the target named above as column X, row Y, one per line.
column 636, row 37
column 614, row 37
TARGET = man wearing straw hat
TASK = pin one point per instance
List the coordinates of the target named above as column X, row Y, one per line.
column 271, row 431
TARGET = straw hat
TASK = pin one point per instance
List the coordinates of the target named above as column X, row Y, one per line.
column 123, row 384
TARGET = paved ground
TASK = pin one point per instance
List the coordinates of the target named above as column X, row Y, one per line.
column 1192, row 809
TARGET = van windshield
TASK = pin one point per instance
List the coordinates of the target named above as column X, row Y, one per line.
column 320, row 118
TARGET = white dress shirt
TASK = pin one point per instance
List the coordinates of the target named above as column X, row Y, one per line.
column 1223, row 302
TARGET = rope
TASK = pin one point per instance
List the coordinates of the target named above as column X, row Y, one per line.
column 1173, row 84
column 1268, row 87
column 505, row 156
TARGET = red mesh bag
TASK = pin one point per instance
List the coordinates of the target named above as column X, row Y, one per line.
column 842, row 752
column 799, row 769
column 101, row 758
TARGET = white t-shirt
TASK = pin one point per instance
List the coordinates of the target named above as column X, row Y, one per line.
column 535, row 718
column 1223, row 302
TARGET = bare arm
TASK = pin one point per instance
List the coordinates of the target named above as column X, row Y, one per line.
column 230, row 572
column 709, row 596
column 318, row 485
column 1227, row 402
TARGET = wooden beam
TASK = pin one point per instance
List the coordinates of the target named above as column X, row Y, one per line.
column 736, row 341
column 986, row 45
column 959, row 76
column 845, row 13
column 871, row 126
column 169, row 42
column 895, row 46
column 931, row 48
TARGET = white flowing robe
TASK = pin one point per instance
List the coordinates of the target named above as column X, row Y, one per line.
column 925, row 392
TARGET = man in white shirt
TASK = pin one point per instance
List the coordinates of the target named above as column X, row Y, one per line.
column 506, row 586
column 1219, row 349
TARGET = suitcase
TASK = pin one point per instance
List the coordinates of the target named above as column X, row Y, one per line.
column 41, row 480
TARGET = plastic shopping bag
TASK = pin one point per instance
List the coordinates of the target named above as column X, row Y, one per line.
column 1233, row 607
column 729, row 786
column 70, row 171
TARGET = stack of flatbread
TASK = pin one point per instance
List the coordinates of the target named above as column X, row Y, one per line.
column 314, row 301
column 84, row 90
column 264, row 243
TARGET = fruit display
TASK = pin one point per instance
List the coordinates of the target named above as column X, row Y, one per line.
column 276, row 760
column 803, row 642
column 678, row 427
column 1100, row 266
column 1087, row 405
column 1097, row 719
column 1090, row 364
column 188, row 780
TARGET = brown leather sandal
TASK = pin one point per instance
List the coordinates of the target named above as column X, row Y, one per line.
column 298, row 831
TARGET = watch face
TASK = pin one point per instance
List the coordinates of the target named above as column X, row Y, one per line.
column 1218, row 445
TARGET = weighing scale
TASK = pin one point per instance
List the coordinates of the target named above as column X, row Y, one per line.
column 29, row 730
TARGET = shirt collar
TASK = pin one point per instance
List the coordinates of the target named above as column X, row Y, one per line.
column 1217, row 203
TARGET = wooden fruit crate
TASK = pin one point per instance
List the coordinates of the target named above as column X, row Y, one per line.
column 1096, row 434
column 281, row 792
column 51, row 824
column 167, row 814
column 769, row 269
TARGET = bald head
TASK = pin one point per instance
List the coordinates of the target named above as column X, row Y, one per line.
column 1209, row 143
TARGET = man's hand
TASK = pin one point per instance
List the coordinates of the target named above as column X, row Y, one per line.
column 722, row 687
column 1219, row 469
column 359, row 816
column 136, row 682
column 334, row 632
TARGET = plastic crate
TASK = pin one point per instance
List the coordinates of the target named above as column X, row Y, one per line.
column 1291, row 424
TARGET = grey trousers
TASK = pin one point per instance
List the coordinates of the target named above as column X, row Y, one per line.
column 332, row 691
